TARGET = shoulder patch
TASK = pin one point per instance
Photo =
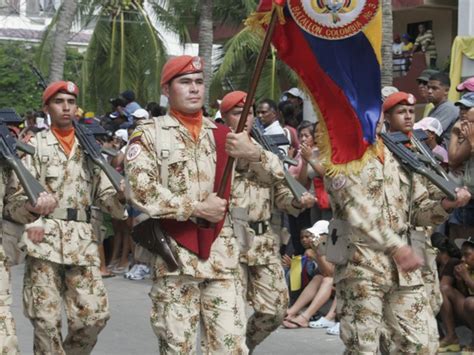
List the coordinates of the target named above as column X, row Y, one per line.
column 133, row 151
column 338, row 182
column 135, row 137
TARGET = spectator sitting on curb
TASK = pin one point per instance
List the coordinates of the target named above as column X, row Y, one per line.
column 319, row 290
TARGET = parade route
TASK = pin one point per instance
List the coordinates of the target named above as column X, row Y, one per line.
column 128, row 332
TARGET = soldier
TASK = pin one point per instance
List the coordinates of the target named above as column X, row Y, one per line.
column 255, row 189
column 171, row 165
column 62, row 264
column 22, row 212
column 399, row 116
column 377, row 280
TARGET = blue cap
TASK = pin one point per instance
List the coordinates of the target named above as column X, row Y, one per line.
column 466, row 100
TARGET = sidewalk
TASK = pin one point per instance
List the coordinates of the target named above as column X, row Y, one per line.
column 129, row 332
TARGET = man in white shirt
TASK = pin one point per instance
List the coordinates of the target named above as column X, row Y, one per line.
column 267, row 113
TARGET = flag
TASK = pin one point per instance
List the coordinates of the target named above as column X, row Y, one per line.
column 334, row 46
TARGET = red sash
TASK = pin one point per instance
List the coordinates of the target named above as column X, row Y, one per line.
column 188, row 234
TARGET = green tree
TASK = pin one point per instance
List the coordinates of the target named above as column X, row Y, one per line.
column 18, row 85
column 236, row 65
column 181, row 15
column 61, row 35
column 125, row 52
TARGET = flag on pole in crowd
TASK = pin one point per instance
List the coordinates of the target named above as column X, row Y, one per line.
column 334, row 46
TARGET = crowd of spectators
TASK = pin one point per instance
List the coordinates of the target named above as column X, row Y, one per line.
column 403, row 48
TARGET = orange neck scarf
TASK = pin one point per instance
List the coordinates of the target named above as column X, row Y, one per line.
column 65, row 137
column 193, row 122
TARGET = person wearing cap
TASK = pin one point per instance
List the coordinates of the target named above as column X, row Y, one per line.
column 296, row 97
column 171, row 167
column 254, row 188
column 130, row 107
column 458, row 305
column 379, row 274
column 140, row 114
column 445, row 111
column 62, row 264
column 434, row 131
column 319, row 289
column 466, row 86
column 461, row 163
column 459, row 149
column 16, row 211
column 422, row 82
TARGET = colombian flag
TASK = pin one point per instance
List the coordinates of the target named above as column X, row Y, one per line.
column 335, row 48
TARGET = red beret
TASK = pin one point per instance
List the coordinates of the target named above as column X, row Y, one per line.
column 398, row 98
column 232, row 99
column 177, row 66
column 57, row 86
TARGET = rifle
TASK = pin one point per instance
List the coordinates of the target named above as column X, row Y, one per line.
column 93, row 150
column 8, row 146
column 41, row 81
column 419, row 163
column 268, row 143
column 99, row 131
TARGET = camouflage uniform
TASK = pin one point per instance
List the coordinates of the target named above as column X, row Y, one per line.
column 201, row 290
column 256, row 187
column 13, row 211
column 64, row 266
column 8, row 339
column 370, row 288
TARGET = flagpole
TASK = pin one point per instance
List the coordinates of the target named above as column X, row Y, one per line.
column 251, row 94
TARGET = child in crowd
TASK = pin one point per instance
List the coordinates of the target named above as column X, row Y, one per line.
column 319, row 289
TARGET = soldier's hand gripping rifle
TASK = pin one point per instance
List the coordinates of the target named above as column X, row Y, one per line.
column 8, row 146
column 418, row 163
column 94, row 151
column 268, row 143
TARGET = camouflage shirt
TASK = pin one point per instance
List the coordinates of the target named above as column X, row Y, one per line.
column 77, row 184
column 258, row 188
column 190, row 174
column 375, row 203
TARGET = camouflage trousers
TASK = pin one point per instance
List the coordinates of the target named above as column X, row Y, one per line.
column 365, row 308
column 181, row 303
column 46, row 287
column 8, row 339
column 267, row 293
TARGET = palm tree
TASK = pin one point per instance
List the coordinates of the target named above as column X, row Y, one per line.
column 66, row 15
column 206, row 40
column 387, row 40
column 236, row 66
column 125, row 51
column 204, row 14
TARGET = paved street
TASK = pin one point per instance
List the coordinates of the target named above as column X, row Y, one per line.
column 129, row 332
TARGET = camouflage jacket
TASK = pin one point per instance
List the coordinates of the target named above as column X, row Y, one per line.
column 190, row 174
column 77, row 184
column 375, row 202
column 258, row 188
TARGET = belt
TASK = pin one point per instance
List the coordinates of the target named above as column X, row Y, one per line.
column 71, row 214
column 259, row 227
